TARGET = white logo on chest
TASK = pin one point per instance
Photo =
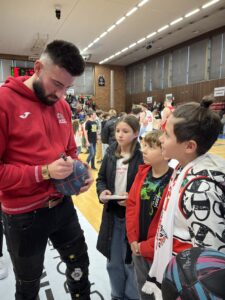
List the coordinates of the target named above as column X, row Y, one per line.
column 61, row 118
column 25, row 115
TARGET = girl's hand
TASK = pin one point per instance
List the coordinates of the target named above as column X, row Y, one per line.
column 123, row 202
column 102, row 196
column 135, row 248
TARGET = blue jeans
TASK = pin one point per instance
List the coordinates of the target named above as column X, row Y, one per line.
column 121, row 275
column 26, row 237
column 91, row 155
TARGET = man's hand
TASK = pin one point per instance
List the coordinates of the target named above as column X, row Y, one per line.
column 89, row 181
column 60, row 169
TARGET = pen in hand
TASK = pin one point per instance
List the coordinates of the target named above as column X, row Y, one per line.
column 63, row 156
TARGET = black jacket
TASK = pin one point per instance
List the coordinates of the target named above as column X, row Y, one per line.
column 108, row 131
column 106, row 180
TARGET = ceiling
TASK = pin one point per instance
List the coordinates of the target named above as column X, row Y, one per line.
column 27, row 25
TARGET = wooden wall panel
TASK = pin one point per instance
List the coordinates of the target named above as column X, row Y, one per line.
column 102, row 93
column 182, row 94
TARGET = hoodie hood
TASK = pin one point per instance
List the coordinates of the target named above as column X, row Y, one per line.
column 16, row 84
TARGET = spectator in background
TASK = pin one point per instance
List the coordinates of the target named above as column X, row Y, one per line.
column 146, row 120
column 90, row 134
column 73, row 106
column 156, row 119
column 105, row 118
column 108, row 131
column 136, row 111
column 77, row 135
column 93, row 105
column 99, row 140
column 122, row 114
column 82, row 116
column 166, row 112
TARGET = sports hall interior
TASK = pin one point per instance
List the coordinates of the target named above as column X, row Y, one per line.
column 142, row 49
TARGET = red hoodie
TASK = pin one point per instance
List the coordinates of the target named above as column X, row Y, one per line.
column 133, row 212
column 32, row 134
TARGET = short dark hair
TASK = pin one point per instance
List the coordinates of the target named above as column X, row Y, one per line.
column 136, row 109
column 66, row 55
column 144, row 105
column 197, row 122
column 90, row 112
column 99, row 112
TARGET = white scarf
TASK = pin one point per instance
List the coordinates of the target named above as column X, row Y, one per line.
column 164, row 235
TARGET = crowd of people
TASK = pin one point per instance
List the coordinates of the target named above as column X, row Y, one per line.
column 94, row 130
column 151, row 212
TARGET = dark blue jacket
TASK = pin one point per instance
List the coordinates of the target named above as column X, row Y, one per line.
column 106, row 180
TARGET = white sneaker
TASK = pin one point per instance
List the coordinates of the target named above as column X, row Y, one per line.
column 3, row 269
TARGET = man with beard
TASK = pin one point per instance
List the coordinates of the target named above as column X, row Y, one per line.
column 35, row 130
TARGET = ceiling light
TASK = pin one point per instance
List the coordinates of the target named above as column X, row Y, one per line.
column 125, row 49
column 118, row 53
column 151, row 34
column 131, row 11
column 103, row 34
column 142, row 3
column 112, row 56
column 192, row 13
column 120, row 20
column 132, row 45
column 85, row 49
column 111, row 28
column 163, row 28
column 176, row 21
column 96, row 40
column 210, row 3
column 141, row 40
column 102, row 61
